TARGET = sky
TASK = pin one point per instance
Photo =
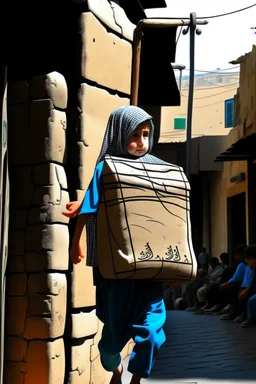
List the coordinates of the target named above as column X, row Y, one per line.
column 222, row 40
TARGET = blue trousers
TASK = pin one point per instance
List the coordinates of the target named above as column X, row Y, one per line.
column 251, row 307
column 130, row 309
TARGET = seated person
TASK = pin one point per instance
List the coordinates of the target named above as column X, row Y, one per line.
column 240, row 295
column 211, row 279
column 248, row 295
column 225, row 294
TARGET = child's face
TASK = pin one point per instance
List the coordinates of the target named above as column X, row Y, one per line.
column 138, row 142
column 251, row 262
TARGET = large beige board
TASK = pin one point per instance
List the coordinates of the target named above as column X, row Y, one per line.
column 144, row 222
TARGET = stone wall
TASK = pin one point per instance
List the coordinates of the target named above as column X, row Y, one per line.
column 56, row 127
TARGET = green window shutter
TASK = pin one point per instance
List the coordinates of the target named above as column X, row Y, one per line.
column 179, row 123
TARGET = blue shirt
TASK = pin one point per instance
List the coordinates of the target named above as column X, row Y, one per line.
column 239, row 273
column 248, row 277
column 92, row 197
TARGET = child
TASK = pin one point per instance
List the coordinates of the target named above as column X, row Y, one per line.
column 250, row 287
column 128, row 308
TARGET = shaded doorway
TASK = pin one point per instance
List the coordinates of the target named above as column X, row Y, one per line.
column 236, row 215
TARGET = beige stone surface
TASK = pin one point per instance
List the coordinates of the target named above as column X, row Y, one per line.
column 84, row 324
column 111, row 14
column 16, row 284
column 54, row 237
column 93, row 125
column 101, row 47
column 45, row 362
column 48, row 283
column 82, row 289
column 43, row 328
column 14, row 373
column 50, row 86
column 94, row 348
column 80, row 363
column 16, row 314
column 122, row 20
column 46, row 305
column 17, row 242
column 49, row 174
column 18, row 92
column 18, row 218
column 49, row 212
column 16, row 349
column 48, row 132
column 49, row 305
column 38, row 261
column 98, row 373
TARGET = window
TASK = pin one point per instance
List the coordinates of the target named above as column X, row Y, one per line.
column 179, row 123
column 229, row 113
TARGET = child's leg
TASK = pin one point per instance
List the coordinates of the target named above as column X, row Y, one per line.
column 110, row 350
column 149, row 336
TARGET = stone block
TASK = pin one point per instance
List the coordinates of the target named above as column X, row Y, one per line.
column 17, row 242
column 18, row 130
column 41, row 238
column 39, row 261
column 121, row 19
column 49, row 174
column 80, row 363
column 45, row 362
column 21, row 187
column 93, row 125
column 98, row 373
column 16, row 314
column 18, row 218
column 100, row 46
column 84, row 324
column 16, row 349
column 111, row 14
column 18, row 92
column 51, row 212
column 14, row 373
column 15, row 264
column 53, row 305
column 82, row 288
column 48, row 133
column 16, row 284
column 46, row 305
column 50, row 86
column 94, row 347
column 46, row 283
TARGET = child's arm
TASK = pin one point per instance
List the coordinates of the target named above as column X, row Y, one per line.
column 73, row 208
column 77, row 252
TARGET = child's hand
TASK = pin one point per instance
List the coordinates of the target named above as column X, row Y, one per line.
column 223, row 286
column 243, row 294
column 73, row 209
column 76, row 253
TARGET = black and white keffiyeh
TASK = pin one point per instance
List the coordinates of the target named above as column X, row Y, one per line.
column 121, row 124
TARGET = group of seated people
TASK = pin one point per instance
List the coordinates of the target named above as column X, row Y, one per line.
column 226, row 291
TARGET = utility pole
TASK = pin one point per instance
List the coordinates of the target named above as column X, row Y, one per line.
column 192, row 30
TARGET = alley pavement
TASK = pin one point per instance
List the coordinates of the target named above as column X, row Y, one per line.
column 204, row 350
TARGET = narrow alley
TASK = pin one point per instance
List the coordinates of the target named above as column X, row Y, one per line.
column 203, row 349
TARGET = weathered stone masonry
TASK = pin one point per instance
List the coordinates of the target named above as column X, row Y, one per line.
column 56, row 125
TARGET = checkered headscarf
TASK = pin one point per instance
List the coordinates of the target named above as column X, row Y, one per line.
column 122, row 122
